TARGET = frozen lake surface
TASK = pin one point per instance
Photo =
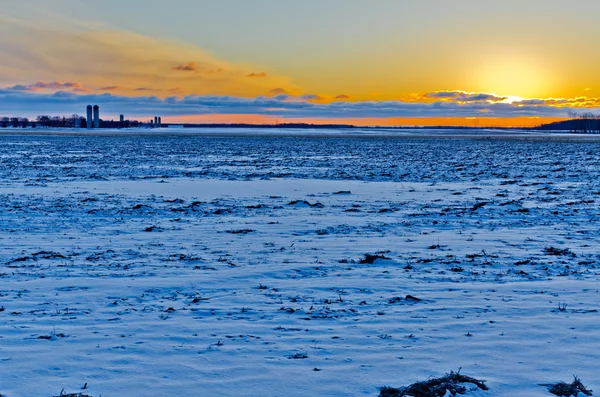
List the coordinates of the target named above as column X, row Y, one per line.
column 231, row 266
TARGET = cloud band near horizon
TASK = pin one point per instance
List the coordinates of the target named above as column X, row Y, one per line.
column 24, row 101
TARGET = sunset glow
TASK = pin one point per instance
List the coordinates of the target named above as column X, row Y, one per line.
column 477, row 122
column 515, row 78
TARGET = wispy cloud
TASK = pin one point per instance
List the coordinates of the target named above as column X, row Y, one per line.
column 188, row 67
column 312, row 97
column 104, row 60
column 278, row 91
column 462, row 96
column 42, row 85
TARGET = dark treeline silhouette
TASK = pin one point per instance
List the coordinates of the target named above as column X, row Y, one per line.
column 119, row 124
column 74, row 121
column 15, row 122
column 284, row 125
column 56, row 122
column 335, row 126
column 586, row 123
column 71, row 122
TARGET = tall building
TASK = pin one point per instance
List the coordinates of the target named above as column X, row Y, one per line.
column 96, row 116
column 89, row 117
column 121, row 118
column 159, row 121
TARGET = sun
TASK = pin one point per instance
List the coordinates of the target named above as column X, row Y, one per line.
column 513, row 77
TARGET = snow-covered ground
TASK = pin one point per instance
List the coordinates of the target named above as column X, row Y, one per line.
column 482, row 133
column 231, row 266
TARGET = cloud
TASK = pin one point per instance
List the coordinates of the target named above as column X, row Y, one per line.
column 533, row 102
column 206, row 68
column 101, row 58
column 579, row 102
column 30, row 104
column 261, row 74
column 42, row 85
column 278, row 91
column 462, row 96
column 188, row 67
column 311, row 97
column 19, row 87
column 342, row 96
column 109, row 88
column 441, row 94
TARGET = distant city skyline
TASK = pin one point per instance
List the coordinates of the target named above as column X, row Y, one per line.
column 462, row 62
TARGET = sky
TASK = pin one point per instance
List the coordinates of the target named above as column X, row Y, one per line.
column 385, row 62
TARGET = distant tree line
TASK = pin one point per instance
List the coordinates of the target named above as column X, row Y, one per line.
column 15, row 122
column 119, row 124
column 279, row 125
column 58, row 122
column 40, row 121
column 586, row 123
column 73, row 121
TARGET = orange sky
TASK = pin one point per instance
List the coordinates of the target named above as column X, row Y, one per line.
column 480, row 122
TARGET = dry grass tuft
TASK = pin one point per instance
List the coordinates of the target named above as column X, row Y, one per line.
column 437, row 387
column 370, row 259
column 565, row 390
column 73, row 395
